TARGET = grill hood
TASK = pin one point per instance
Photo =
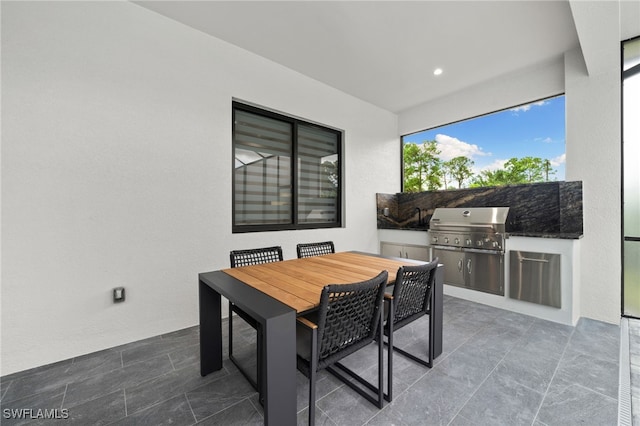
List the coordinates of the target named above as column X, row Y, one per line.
column 470, row 217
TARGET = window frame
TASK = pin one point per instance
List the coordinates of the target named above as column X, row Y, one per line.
column 402, row 143
column 294, row 122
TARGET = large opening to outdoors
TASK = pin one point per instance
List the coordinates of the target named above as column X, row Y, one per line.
column 522, row 144
column 631, row 177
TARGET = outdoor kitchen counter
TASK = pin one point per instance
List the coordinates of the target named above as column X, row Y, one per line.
column 558, row 235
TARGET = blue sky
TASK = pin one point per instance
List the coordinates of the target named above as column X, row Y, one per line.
column 532, row 130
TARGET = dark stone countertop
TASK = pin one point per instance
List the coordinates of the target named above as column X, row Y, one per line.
column 557, row 235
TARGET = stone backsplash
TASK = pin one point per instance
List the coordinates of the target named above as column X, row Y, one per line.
column 550, row 209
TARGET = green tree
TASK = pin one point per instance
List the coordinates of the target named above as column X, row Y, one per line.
column 491, row 178
column 516, row 171
column 547, row 170
column 329, row 176
column 525, row 170
column 459, row 168
column 421, row 166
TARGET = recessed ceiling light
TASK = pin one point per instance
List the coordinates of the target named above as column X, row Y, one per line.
column 437, row 71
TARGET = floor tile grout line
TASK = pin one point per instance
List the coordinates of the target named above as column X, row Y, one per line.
column 490, row 373
column 36, row 393
column 555, row 371
column 325, row 413
column 594, row 391
column 124, row 394
column 156, row 378
column 64, row 395
column 195, row 419
column 250, row 399
column 157, row 403
column 5, row 390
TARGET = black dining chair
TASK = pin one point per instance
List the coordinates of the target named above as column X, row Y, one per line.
column 347, row 320
column 245, row 258
column 409, row 301
column 315, row 249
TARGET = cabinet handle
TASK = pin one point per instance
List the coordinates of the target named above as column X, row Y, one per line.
column 400, row 253
column 460, row 265
column 528, row 259
column 469, row 266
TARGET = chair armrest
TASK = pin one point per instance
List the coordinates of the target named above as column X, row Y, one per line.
column 306, row 323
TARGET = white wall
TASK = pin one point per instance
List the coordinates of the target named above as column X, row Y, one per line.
column 592, row 147
column 540, row 81
column 116, row 170
column 594, row 157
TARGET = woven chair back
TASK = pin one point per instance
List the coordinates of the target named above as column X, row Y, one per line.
column 348, row 317
column 315, row 249
column 412, row 292
column 255, row 256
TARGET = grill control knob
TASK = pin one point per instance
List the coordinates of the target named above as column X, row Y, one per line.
column 495, row 244
column 479, row 243
column 446, row 240
column 457, row 241
column 434, row 239
column 468, row 242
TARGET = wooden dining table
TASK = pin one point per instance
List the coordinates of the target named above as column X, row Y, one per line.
column 275, row 294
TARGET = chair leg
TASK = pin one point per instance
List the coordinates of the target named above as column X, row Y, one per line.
column 256, row 384
column 428, row 363
column 381, row 366
column 389, row 354
column 379, row 390
column 430, row 349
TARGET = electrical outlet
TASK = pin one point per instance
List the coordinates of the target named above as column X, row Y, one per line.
column 118, row 294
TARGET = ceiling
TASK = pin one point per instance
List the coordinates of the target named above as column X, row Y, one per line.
column 385, row 52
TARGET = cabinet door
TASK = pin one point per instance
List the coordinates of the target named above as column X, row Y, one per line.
column 453, row 262
column 485, row 272
column 417, row 253
column 391, row 250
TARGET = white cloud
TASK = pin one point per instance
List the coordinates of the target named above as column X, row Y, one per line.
column 497, row 164
column 527, row 107
column 451, row 147
column 544, row 140
column 555, row 162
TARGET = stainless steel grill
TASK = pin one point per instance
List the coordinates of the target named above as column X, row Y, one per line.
column 480, row 228
column 470, row 242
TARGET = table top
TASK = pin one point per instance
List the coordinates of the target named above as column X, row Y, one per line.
column 299, row 282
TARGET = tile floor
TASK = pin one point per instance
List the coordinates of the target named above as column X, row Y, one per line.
column 497, row 368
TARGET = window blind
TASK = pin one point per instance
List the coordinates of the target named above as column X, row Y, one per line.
column 317, row 175
column 263, row 150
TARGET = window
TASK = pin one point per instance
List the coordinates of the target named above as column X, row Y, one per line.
column 286, row 172
column 523, row 144
column 631, row 177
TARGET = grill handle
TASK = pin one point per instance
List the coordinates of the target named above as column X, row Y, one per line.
column 458, row 225
column 529, row 259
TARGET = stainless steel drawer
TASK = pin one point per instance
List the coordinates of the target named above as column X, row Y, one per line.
column 535, row 277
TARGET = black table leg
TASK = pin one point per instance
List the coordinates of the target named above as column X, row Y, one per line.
column 279, row 371
column 210, row 330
